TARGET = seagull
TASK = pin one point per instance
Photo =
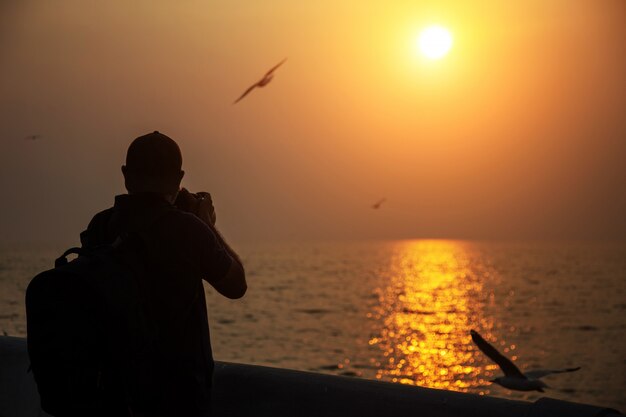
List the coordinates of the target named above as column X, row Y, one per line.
column 513, row 378
column 32, row 137
column 377, row 205
column 262, row 82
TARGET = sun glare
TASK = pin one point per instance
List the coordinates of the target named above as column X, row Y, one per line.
column 435, row 42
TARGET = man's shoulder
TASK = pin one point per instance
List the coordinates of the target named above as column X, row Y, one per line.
column 96, row 232
column 101, row 217
column 185, row 233
column 184, row 218
column 186, row 224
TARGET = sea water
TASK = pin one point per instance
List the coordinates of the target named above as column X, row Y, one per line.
column 401, row 311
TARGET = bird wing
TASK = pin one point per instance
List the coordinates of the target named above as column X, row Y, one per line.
column 265, row 80
column 262, row 82
column 252, row 87
column 539, row 373
column 378, row 203
column 503, row 362
column 274, row 67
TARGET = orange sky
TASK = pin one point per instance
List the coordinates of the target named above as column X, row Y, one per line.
column 519, row 132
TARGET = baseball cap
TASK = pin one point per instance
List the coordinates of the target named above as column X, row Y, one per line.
column 154, row 154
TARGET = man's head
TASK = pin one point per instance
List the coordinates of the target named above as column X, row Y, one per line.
column 153, row 164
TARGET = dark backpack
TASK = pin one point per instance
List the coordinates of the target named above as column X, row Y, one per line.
column 91, row 342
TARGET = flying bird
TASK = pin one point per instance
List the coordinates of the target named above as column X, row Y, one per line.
column 377, row 205
column 262, row 82
column 513, row 378
column 32, row 137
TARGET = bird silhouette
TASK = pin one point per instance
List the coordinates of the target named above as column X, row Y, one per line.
column 269, row 75
column 377, row 205
column 32, row 137
column 513, row 378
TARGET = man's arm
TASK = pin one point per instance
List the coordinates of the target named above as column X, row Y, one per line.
column 233, row 284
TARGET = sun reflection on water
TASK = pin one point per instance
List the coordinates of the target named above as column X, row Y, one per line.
column 424, row 315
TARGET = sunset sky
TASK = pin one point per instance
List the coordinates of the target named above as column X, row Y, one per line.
column 519, row 132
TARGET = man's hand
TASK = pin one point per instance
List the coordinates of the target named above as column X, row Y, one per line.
column 199, row 204
column 205, row 210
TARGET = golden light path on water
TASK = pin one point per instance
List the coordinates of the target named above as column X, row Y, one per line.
column 433, row 298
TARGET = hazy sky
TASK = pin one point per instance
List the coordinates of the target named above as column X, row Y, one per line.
column 518, row 133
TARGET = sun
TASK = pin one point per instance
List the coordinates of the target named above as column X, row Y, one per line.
column 435, row 41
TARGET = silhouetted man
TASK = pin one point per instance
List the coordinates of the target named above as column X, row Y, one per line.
column 183, row 249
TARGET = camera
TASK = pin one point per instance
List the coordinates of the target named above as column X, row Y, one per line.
column 187, row 201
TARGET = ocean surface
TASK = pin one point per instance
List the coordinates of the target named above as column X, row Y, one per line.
column 401, row 311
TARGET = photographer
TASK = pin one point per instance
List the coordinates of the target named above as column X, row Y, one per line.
column 182, row 248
